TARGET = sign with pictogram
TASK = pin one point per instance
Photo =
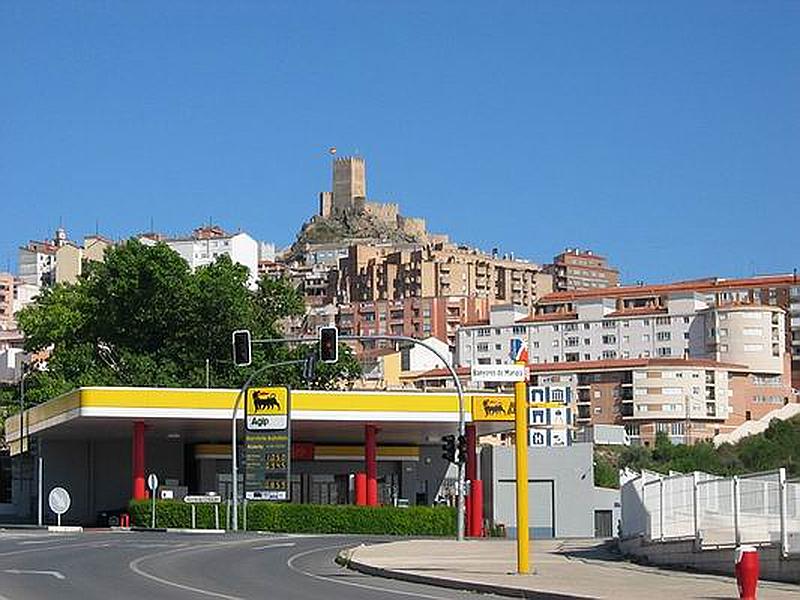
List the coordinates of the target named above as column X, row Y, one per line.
column 267, row 409
column 268, row 444
column 492, row 408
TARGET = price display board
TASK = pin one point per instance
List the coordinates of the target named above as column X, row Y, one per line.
column 268, row 444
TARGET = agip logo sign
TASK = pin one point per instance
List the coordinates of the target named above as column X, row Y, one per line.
column 267, row 409
column 492, row 408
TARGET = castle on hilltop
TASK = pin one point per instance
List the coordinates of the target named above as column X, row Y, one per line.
column 349, row 197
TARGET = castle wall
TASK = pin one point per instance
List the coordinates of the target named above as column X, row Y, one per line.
column 385, row 212
column 412, row 226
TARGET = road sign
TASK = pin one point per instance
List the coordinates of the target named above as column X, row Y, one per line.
column 267, row 409
column 550, row 393
column 499, row 373
column 268, row 444
column 59, row 500
column 206, row 499
column 152, row 482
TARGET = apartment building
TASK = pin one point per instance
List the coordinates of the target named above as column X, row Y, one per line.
column 687, row 399
column 372, row 273
column 576, row 269
column 36, row 263
column 743, row 342
column 6, row 299
column 207, row 243
column 438, row 317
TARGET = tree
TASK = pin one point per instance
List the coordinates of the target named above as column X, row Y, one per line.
column 142, row 318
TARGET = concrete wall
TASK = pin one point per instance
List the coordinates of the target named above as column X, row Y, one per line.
column 682, row 554
column 563, row 498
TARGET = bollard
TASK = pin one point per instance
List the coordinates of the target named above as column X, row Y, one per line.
column 747, row 569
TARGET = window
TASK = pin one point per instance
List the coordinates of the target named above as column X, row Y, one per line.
column 609, row 354
column 497, row 331
column 570, row 327
column 723, row 347
column 572, row 356
column 676, row 428
column 626, row 354
column 645, row 337
column 572, row 342
column 587, row 357
column 626, row 339
column 643, row 408
column 498, row 346
column 723, row 333
column 555, row 358
column 609, row 339
column 626, row 323
column 662, row 320
column 753, row 347
column 587, row 341
column 723, row 316
column 664, row 351
column 535, row 344
column 686, row 320
column 754, row 331
column 482, row 347
column 586, row 325
column 672, row 391
column 555, row 343
column 484, row 361
column 609, row 324
column 686, row 335
column 555, row 327
column 483, row 332
column 518, row 330
column 663, row 336
column 645, row 322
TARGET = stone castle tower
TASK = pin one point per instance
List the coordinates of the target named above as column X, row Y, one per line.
column 349, row 187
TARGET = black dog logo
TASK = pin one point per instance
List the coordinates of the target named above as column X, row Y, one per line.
column 265, row 401
column 493, row 407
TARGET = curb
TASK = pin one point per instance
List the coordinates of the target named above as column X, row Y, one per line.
column 344, row 558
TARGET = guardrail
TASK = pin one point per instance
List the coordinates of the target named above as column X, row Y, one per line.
column 714, row 511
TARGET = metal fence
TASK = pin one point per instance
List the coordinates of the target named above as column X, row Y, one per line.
column 713, row 511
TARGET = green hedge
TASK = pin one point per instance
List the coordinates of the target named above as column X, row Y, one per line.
column 307, row 518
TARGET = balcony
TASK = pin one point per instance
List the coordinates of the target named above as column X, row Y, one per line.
column 626, row 410
column 584, row 413
column 584, row 396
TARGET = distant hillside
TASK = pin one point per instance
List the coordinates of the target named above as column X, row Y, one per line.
column 778, row 446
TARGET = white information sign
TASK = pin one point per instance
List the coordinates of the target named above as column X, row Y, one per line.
column 207, row 499
column 152, row 482
column 499, row 373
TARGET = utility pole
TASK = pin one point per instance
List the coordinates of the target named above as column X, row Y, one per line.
column 688, row 423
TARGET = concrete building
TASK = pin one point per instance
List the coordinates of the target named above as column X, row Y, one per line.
column 37, row 263
column 608, row 343
column 6, row 299
column 576, row 269
column 437, row 317
column 374, row 273
column 563, row 500
column 207, row 243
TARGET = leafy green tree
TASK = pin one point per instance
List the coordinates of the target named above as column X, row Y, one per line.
column 142, row 318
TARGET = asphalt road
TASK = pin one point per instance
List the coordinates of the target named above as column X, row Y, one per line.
column 134, row 565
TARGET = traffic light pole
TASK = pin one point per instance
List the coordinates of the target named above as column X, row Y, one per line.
column 462, row 425
column 234, row 441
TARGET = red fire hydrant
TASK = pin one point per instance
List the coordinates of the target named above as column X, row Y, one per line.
column 746, row 569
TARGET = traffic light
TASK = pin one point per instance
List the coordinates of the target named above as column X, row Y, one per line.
column 242, row 355
column 328, row 344
column 449, row 448
column 462, row 449
column 310, row 368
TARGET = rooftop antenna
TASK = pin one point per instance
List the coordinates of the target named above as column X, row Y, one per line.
column 97, row 226
column 152, row 225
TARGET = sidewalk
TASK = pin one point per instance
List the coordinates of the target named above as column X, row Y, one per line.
column 563, row 569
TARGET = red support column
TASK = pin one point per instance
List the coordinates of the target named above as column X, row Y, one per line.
column 138, row 461
column 476, row 509
column 472, row 475
column 371, row 463
column 361, row 489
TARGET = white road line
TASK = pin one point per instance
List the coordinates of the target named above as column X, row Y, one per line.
column 268, row 546
column 56, row 574
column 290, row 564
column 134, row 566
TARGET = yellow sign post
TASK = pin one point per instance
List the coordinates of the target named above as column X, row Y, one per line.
column 521, row 445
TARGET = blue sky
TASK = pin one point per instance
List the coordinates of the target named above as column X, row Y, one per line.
column 663, row 134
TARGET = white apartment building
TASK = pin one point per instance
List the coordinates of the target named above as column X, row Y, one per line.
column 204, row 248
column 595, row 329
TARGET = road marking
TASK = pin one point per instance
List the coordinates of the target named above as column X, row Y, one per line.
column 56, row 574
column 134, row 566
column 287, row 545
column 290, row 564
